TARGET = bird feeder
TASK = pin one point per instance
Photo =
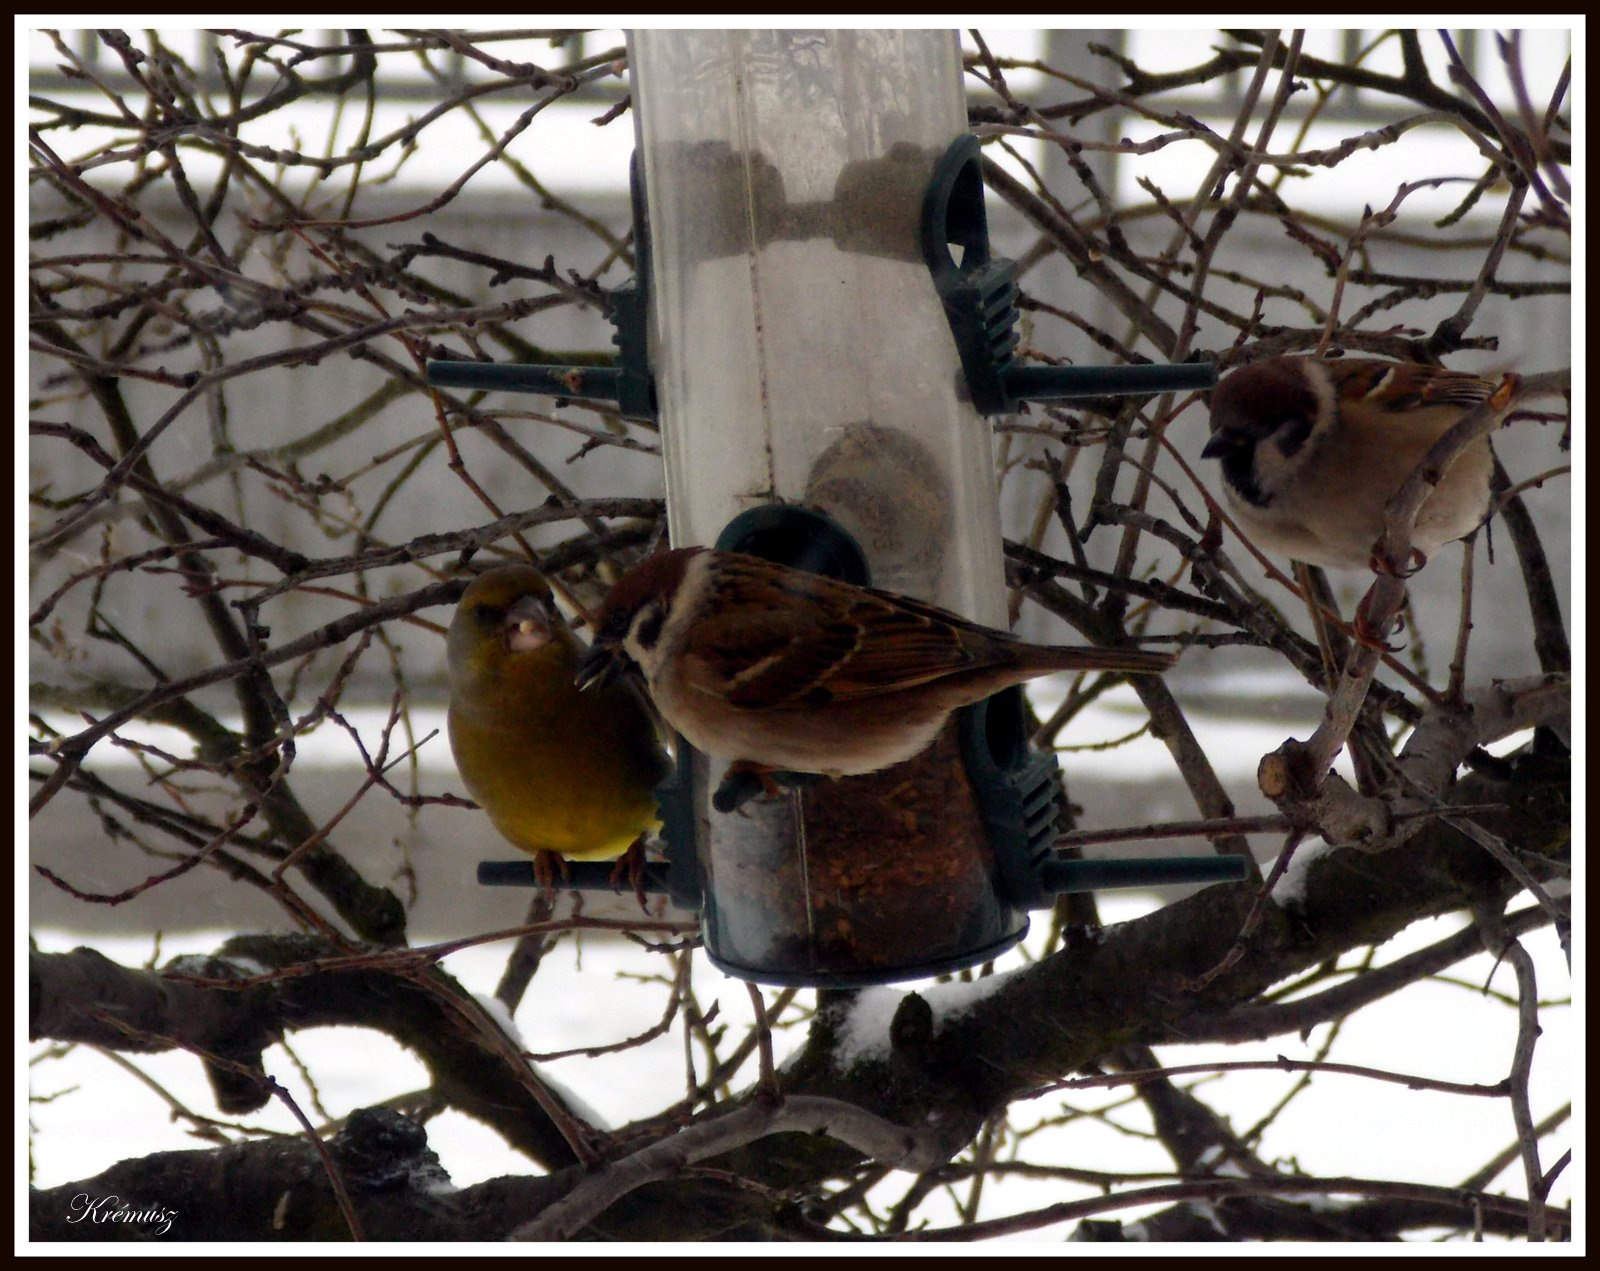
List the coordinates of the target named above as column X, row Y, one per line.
column 820, row 328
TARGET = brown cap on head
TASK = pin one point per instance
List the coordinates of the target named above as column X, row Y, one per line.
column 1256, row 400
column 658, row 575
column 655, row 578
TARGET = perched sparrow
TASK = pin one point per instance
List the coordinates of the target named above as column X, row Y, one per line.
column 560, row 773
column 779, row 669
column 1311, row 451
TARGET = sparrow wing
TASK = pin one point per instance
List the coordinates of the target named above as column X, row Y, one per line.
column 763, row 659
column 1396, row 387
column 801, row 638
column 898, row 643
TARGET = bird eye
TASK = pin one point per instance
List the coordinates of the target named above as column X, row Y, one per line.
column 484, row 613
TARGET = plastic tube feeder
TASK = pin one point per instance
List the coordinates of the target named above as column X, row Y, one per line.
column 802, row 357
column 824, row 324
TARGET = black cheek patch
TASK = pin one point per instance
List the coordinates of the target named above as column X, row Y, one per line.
column 1238, row 466
column 650, row 624
column 1292, row 435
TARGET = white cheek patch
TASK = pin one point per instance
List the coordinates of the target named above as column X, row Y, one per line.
column 691, row 591
column 1273, row 467
column 640, row 653
column 1269, row 464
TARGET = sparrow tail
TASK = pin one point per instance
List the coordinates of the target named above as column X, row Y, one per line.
column 1088, row 658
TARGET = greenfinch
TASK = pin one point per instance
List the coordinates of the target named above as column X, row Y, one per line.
column 561, row 773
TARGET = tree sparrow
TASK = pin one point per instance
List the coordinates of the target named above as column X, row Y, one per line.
column 560, row 773
column 780, row 669
column 1312, row 449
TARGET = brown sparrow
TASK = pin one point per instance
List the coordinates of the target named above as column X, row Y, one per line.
column 780, row 669
column 1312, row 449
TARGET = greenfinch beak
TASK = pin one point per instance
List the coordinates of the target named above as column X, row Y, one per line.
column 527, row 625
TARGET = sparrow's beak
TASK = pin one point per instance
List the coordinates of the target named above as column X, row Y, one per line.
column 598, row 666
column 1220, row 444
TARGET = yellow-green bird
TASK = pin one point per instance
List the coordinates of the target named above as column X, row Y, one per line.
column 561, row 773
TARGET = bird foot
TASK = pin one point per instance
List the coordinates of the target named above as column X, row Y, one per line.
column 630, row 866
column 1364, row 630
column 744, row 780
column 546, row 865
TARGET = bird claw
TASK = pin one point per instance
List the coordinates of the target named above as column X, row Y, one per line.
column 546, row 864
column 1363, row 630
column 630, row 867
column 744, row 780
column 1381, row 564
